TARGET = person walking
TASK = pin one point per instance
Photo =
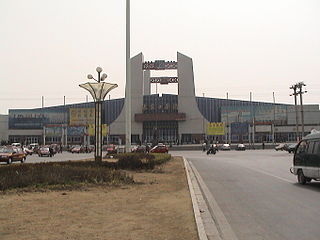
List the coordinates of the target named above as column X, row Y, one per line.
column 51, row 151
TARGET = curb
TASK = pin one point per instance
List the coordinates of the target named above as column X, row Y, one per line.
column 211, row 225
column 220, row 222
column 206, row 226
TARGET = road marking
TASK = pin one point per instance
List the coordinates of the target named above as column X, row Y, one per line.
column 269, row 174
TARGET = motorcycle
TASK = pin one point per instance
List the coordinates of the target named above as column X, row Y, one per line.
column 211, row 151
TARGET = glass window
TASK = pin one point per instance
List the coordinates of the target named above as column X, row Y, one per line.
column 235, row 137
column 316, row 148
column 302, row 147
column 310, row 147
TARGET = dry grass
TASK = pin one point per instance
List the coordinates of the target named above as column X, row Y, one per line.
column 157, row 208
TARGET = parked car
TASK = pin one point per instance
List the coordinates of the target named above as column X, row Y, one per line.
column 139, row 149
column 76, row 149
column 34, row 147
column 111, row 149
column 44, row 151
column 160, row 148
column 241, row 147
column 27, row 151
column 225, row 147
column 11, row 154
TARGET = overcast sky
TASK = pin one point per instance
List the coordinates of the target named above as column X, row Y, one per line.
column 47, row 48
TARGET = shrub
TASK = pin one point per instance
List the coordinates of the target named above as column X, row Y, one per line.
column 135, row 161
column 141, row 160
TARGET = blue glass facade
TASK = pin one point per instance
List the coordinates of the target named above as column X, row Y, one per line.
column 212, row 109
column 39, row 117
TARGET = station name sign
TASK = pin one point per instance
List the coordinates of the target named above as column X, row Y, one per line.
column 164, row 80
column 159, row 65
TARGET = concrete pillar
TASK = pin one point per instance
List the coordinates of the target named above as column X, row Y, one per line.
column 146, row 83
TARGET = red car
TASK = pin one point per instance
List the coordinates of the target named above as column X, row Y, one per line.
column 111, row 149
column 160, row 148
column 9, row 155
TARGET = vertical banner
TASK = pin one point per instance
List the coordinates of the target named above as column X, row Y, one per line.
column 215, row 128
column 104, row 130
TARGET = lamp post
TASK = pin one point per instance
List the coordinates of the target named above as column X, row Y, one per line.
column 98, row 91
column 128, row 80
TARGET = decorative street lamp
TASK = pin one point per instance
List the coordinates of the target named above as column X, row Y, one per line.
column 98, row 91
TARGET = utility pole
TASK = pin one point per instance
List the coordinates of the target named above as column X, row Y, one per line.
column 228, row 127
column 44, row 128
column 300, row 85
column 274, row 120
column 252, row 121
column 42, row 102
column 294, row 88
column 203, row 125
column 128, row 81
column 64, row 132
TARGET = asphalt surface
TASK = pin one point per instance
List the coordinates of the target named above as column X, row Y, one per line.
column 65, row 156
column 258, row 195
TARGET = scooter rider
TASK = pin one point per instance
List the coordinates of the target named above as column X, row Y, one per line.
column 212, row 150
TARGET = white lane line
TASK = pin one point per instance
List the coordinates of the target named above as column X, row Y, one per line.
column 269, row 174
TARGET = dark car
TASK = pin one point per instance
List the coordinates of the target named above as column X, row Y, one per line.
column 241, row 147
column 9, row 155
column 306, row 159
column 160, row 148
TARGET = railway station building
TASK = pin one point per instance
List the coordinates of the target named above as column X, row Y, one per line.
column 181, row 118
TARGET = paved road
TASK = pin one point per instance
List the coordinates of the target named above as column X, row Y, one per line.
column 65, row 156
column 258, row 195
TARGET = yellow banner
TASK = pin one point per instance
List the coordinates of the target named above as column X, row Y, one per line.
column 81, row 116
column 104, row 130
column 215, row 128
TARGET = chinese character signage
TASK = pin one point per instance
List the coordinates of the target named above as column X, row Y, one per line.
column 81, row 116
column 159, row 65
column 215, row 128
column 104, row 130
column 36, row 118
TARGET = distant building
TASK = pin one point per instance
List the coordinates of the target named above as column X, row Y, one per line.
column 182, row 118
column 3, row 128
